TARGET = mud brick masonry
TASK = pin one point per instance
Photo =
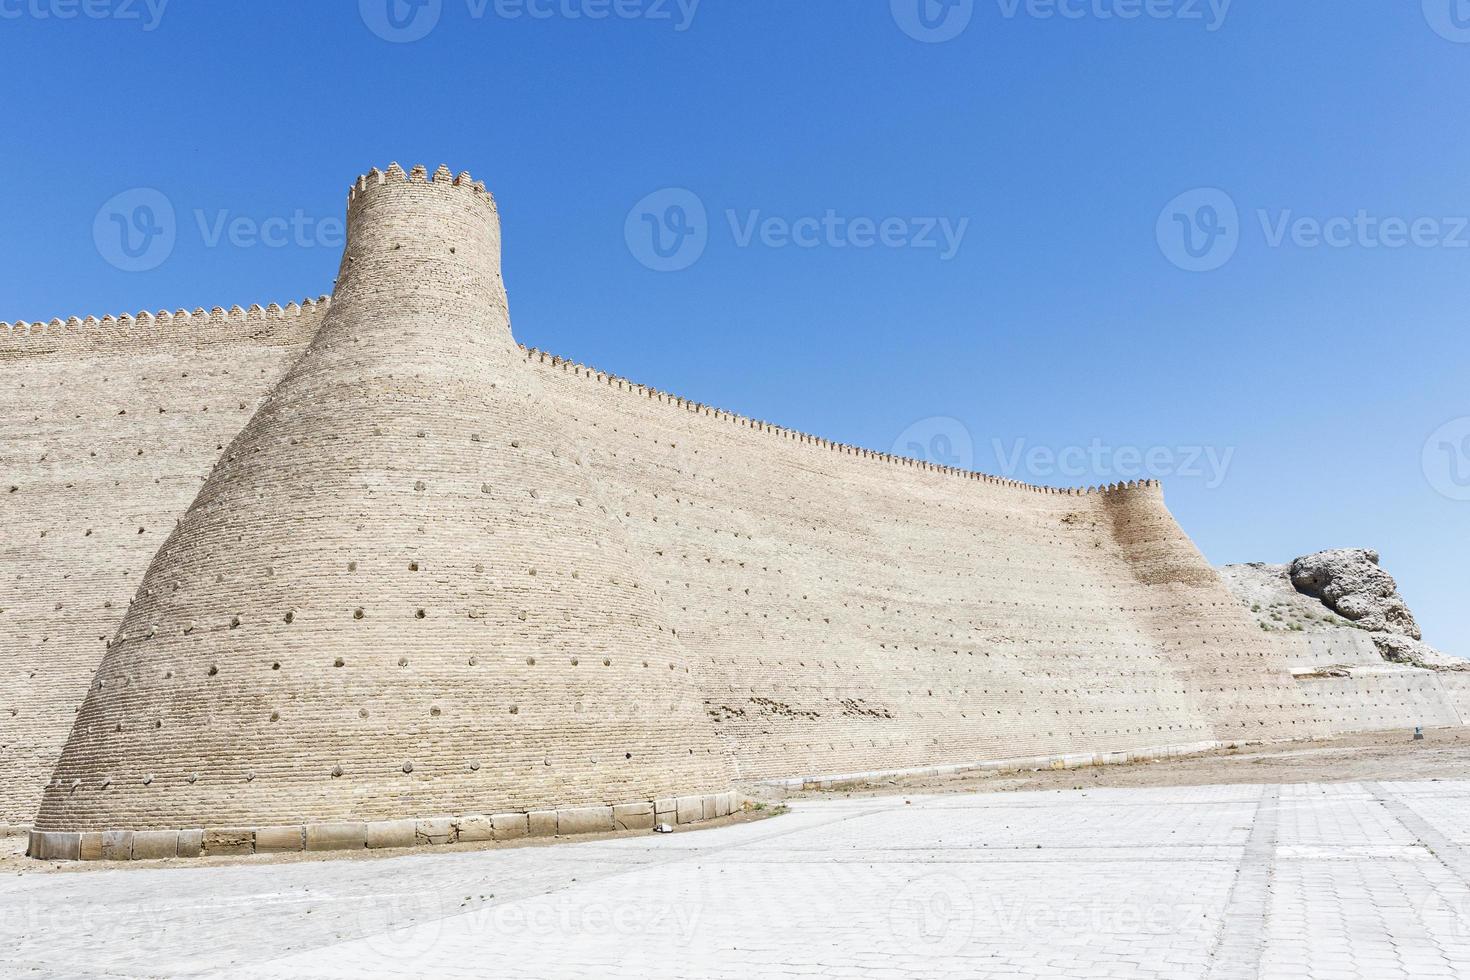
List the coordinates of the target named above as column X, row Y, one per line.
column 363, row 572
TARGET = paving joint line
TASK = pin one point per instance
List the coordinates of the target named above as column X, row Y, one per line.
column 1242, row 941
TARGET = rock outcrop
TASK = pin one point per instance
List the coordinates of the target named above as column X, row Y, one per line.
column 1331, row 591
column 1350, row 582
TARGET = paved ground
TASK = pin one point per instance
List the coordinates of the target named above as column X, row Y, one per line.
column 1361, row 879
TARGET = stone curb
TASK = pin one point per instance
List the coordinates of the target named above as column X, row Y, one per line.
column 1073, row 761
column 141, row 845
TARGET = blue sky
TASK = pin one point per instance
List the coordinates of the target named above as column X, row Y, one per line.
column 964, row 231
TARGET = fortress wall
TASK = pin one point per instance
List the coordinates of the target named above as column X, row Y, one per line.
column 1340, row 647
column 1389, row 699
column 852, row 613
column 1456, row 689
column 398, row 596
column 439, row 574
column 111, row 426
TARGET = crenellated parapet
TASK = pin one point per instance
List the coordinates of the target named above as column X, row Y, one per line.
column 541, row 357
column 442, row 177
column 162, row 325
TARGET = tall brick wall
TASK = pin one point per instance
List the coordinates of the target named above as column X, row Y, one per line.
column 852, row 612
column 110, row 428
column 437, row 573
column 399, row 594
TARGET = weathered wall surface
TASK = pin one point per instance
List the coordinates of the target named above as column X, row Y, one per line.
column 1384, row 699
column 855, row 613
column 536, row 585
column 398, row 595
column 110, row 428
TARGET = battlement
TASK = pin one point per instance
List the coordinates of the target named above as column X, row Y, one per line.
column 442, row 177
column 402, row 590
column 197, row 318
column 535, row 356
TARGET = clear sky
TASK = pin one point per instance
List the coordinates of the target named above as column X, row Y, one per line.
column 1071, row 241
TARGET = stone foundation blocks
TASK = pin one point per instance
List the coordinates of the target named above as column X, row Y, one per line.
column 542, row 823
column 690, row 809
column 55, row 846
column 437, row 831
column 584, row 820
column 115, row 845
column 155, row 845
column 336, row 836
column 229, row 841
column 476, row 828
column 91, row 846
column 510, row 826
column 392, row 833
column 280, row 840
column 633, row 816
column 191, row 843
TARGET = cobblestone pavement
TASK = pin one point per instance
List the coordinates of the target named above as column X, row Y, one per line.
column 1316, row 880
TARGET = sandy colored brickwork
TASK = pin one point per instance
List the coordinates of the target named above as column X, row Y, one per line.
column 437, row 574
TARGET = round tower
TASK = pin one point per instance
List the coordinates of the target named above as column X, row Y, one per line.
column 397, row 600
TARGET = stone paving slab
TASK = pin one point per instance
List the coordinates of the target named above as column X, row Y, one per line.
column 1354, row 880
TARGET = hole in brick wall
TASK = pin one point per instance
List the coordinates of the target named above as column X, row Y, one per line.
column 420, row 614
column 408, row 767
column 515, row 710
column 352, row 566
column 213, row 670
column 339, row 662
column 275, row 716
column 531, row 661
column 336, row 771
column 435, row 712
column 358, row 613
column 362, row 712
column 403, row 661
column 413, row 566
